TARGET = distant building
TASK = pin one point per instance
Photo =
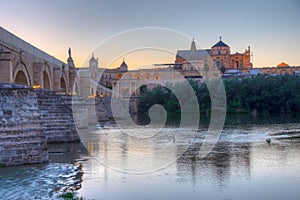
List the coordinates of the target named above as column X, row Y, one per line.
column 22, row 63
column 219, row 53
column 283, row 64
column 93, row 80
column 281, row 68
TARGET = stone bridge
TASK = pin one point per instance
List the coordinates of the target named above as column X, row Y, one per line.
column 22, row 63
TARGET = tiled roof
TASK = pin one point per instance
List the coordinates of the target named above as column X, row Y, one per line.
column 220, row 44
column 193, row 55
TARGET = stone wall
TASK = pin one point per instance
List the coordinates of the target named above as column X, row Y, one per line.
column 21, row 137
column 56, row 117
column 30, row 118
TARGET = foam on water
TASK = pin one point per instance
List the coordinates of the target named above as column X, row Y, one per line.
column 39, row 182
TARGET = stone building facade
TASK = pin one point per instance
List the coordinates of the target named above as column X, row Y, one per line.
column 219, row 53
column 93, row 81
column 280, row 69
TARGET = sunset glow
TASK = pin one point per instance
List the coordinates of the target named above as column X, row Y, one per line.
column 271, row 31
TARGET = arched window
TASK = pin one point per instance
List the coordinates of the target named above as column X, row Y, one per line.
column 138, row 76
column 218, row 63
column 156, row 77
column 147, row 76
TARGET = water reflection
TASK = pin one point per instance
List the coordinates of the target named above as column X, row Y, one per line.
column 227, row 159
column 240, row 166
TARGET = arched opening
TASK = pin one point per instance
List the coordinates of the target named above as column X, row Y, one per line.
column 283, row 71
column 237, row 64
column 138, row 76
column 46, row 80
column 218, row 63
column 156, row 77
column 63, row 84
column 147, row 76
column 21, row 78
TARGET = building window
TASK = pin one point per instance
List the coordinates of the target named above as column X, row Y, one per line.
column 146, row 76
column 138, row 76
column 156, row 76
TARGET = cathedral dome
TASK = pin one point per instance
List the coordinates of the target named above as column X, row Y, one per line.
column 283, row 64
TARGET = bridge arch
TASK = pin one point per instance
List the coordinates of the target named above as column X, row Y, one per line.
column 21, row 78
column 63, row 84
column 47, row 78
column 21, row 75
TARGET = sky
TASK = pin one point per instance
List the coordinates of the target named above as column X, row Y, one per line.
column 271, row 28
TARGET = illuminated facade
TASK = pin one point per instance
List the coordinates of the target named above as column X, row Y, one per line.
column 219, row 53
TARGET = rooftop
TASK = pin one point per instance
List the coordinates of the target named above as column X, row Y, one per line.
column 220, row 44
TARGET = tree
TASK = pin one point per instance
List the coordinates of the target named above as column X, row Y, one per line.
column 223, row 69
column 263, row 93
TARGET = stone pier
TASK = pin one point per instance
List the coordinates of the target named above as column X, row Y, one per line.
column 29, row 119
column 56, row 117
column 22, row 139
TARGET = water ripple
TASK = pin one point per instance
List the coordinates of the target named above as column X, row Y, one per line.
column 39, row 181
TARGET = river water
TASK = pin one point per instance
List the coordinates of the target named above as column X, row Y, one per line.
column 240, row 166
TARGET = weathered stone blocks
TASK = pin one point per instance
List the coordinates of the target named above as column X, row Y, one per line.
column 21, row 137
column 56, row 117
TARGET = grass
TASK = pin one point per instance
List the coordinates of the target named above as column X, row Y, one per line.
column 70, row 196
